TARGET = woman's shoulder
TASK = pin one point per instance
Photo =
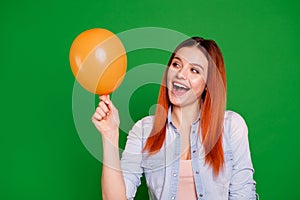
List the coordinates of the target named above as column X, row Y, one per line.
column 233, row 116
column 235, row 125
column 143, row 127
column 145, row 121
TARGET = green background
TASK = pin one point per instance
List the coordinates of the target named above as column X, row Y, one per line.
column 42, row 156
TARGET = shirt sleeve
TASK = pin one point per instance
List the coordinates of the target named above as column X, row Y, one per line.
column 242, row 185
column 131, row 160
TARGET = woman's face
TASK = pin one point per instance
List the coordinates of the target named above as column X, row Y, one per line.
column 187, row 76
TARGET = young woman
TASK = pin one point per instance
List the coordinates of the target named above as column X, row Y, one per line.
column 192, row 148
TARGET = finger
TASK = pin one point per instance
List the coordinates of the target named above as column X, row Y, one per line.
column 107, row 101
column 104, row 98
column 104, row 107
column 97, row 116
column 101, row 112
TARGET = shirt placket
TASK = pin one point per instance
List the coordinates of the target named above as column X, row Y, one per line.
column 175, row 166
column 195, row 164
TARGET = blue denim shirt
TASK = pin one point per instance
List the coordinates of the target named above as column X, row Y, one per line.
column 235, row 181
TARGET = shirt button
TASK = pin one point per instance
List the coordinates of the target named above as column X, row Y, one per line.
column 200, row 195
column 174, row 174
column 197, row 172
column 172, row 197
column 194, row 151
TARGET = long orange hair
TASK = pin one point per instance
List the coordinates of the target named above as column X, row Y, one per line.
column 213, row 100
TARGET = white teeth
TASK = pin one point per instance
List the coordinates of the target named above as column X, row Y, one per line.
column 180, row 85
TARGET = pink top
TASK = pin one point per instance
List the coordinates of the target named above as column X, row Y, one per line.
column 186, row 185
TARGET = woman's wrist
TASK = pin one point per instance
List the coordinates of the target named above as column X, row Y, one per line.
column 111, row 156
column 111, row 138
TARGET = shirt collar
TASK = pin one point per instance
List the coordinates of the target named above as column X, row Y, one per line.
column 170, row 116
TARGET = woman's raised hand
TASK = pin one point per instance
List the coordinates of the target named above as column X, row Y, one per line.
column 106, row 118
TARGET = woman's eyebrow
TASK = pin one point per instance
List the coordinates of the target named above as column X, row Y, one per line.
column 194, row 64
column 177, row 58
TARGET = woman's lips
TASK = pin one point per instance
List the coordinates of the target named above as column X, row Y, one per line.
column 179, row 89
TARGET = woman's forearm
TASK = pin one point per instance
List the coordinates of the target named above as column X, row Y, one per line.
column 113, row 186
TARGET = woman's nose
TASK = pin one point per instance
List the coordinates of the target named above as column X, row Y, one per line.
column 182, row 73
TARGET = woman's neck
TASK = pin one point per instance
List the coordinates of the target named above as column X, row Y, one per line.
column 183, row 117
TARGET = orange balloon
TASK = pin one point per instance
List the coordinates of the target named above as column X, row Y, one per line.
column 98, row 60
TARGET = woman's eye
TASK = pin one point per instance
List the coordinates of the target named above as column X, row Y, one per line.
column 195, row 71
column 175, row 64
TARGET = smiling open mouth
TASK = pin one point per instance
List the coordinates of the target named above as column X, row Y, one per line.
column 179, row 89
column 178, row 86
